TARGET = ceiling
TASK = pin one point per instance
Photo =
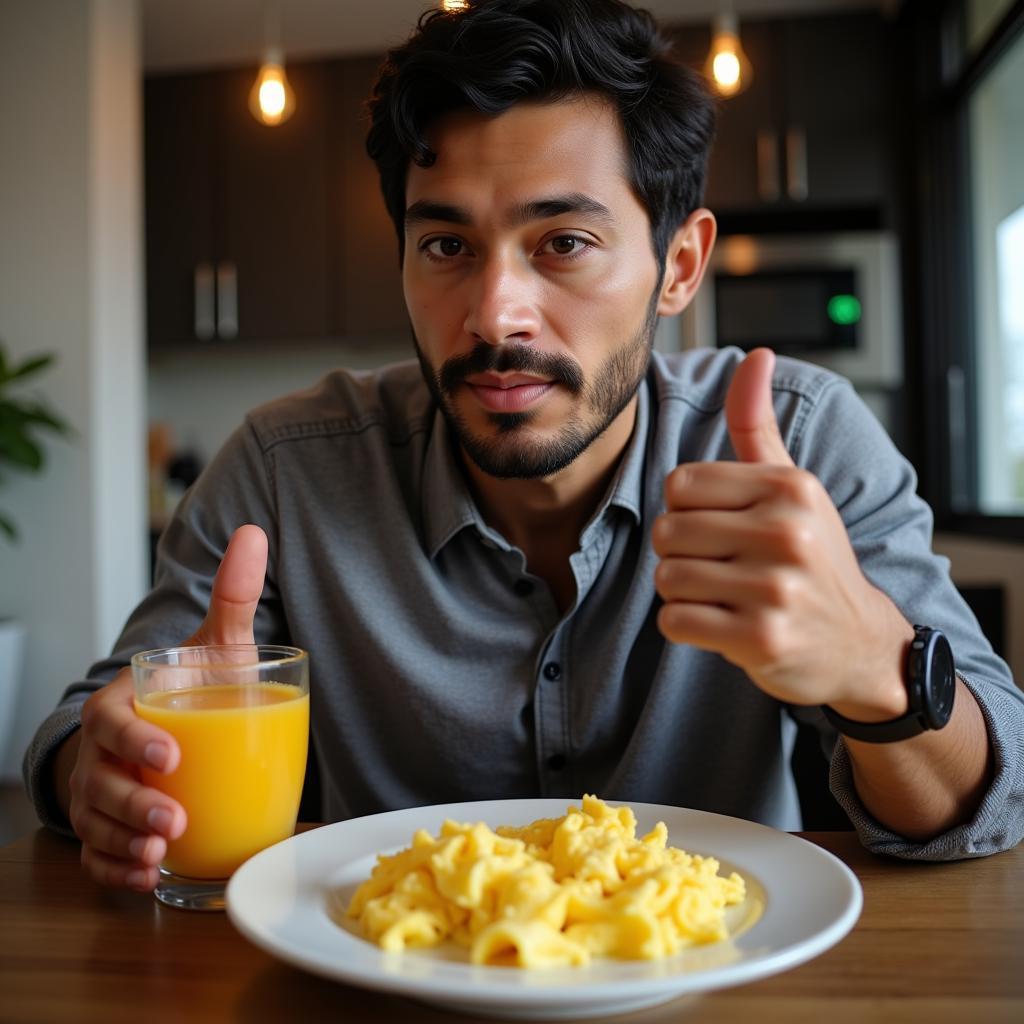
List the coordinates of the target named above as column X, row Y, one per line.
column 180, row 34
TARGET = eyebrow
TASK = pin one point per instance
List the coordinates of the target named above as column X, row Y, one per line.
column 522, row 213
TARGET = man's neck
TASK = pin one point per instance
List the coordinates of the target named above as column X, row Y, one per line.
column 544, row 517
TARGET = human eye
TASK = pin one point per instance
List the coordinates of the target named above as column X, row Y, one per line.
column 443, row 248
column 566, row 246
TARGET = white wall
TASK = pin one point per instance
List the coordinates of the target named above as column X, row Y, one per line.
column 976, row 561
column 71, row 283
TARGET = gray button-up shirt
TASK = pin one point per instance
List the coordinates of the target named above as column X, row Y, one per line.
column 441, row 669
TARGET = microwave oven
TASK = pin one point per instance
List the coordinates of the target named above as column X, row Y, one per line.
column 831, row 299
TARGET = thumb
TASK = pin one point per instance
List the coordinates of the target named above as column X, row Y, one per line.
column 236, row 590
column 749, row 413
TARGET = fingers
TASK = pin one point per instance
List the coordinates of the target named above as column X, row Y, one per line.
column 746, row 638
column 112, row 792
column 729, row 585
column 124, row 825
column 750, row 414
column 116, row 841
column 237, row 588
column 118, row 873
column 703, row 625
column 699, row 534
column 737, row 485
column 109, row 720
column 118, row 850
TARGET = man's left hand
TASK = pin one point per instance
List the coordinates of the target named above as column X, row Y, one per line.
column 756, row 565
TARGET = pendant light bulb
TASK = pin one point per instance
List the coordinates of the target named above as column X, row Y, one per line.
column 271, row 99
column 727, row 68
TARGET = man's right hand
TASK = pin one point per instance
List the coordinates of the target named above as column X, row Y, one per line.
column 125, row 826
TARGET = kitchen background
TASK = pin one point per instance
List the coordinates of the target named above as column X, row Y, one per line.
column 186, row 262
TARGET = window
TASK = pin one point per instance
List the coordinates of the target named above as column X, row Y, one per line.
column 969, row 236
column 996, row 119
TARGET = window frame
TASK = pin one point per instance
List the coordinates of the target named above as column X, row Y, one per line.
column 946, row 363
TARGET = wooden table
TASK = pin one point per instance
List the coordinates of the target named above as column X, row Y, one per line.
column 935, row 942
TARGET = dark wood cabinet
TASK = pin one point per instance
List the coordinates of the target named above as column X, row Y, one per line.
column 838, row 94
column 258, row 234
column 277, row 185
column 813, row 130
column 370, row 279
column 182, row 200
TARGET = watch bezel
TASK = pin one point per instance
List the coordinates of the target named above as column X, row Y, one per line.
column 938, row 671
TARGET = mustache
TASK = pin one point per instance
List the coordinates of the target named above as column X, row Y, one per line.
column 508, row 359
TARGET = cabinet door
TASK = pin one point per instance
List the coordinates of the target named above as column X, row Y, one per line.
column 273, row 218
column 369, row 276
column 837, row 95
column 181, row 173
column 740, row 176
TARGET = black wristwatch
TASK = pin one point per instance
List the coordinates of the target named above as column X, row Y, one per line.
column 930, row 677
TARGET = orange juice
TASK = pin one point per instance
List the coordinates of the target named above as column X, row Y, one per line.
column 243, row 761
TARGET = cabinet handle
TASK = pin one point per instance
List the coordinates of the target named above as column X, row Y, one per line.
column 796, row 163
column 203, row 317
column 227, row 300
column 768, row 186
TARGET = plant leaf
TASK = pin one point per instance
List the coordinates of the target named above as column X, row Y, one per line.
column 8, row 528
column 30, row 367
column 16, row 448
column 41, row 416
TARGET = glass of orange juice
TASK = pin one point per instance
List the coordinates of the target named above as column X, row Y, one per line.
column 240, row 714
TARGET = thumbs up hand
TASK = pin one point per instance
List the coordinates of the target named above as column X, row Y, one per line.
column 756, row 565
column 125, row 826
column 749, row 413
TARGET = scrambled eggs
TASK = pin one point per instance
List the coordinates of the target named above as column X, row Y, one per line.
column 552, row 893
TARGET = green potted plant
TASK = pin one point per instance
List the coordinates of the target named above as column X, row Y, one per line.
column 21, row 419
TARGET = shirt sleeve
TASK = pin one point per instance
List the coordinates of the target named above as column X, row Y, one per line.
column 890, row 528
column 235, row 489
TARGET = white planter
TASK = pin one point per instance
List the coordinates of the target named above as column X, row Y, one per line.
column 12, row 642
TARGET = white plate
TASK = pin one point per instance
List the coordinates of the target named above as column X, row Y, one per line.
column 289, row 900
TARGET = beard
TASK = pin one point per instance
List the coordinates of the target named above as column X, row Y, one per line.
column 515, row 450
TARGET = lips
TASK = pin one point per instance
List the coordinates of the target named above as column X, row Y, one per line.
column 511, row 392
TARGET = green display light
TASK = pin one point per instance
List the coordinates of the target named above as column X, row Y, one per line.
column 844, row 309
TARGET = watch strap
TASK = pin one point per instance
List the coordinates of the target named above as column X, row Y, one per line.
column 902, row 728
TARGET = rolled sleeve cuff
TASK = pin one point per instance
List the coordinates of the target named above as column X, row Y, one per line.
column 37, row 768
column 998, row 823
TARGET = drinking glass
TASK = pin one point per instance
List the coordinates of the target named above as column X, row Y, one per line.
column 240, row 714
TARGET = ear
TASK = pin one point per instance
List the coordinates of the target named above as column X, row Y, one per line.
column 686, row 260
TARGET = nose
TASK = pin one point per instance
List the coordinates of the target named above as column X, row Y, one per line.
column 503, row 303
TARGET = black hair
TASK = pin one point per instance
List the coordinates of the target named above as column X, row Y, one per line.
column 492, row 54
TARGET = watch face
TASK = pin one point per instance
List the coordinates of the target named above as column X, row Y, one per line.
column 940, row 681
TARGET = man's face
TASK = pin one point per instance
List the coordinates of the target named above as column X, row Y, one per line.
column 530, row 281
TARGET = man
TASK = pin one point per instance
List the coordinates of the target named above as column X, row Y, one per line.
column 543, row 561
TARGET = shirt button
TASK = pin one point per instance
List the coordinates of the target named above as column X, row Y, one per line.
column 556, row 762
column 524, row 588
column 552, row 671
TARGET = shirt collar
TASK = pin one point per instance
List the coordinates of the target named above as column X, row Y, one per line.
column 626, row 488
column 449, row 508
